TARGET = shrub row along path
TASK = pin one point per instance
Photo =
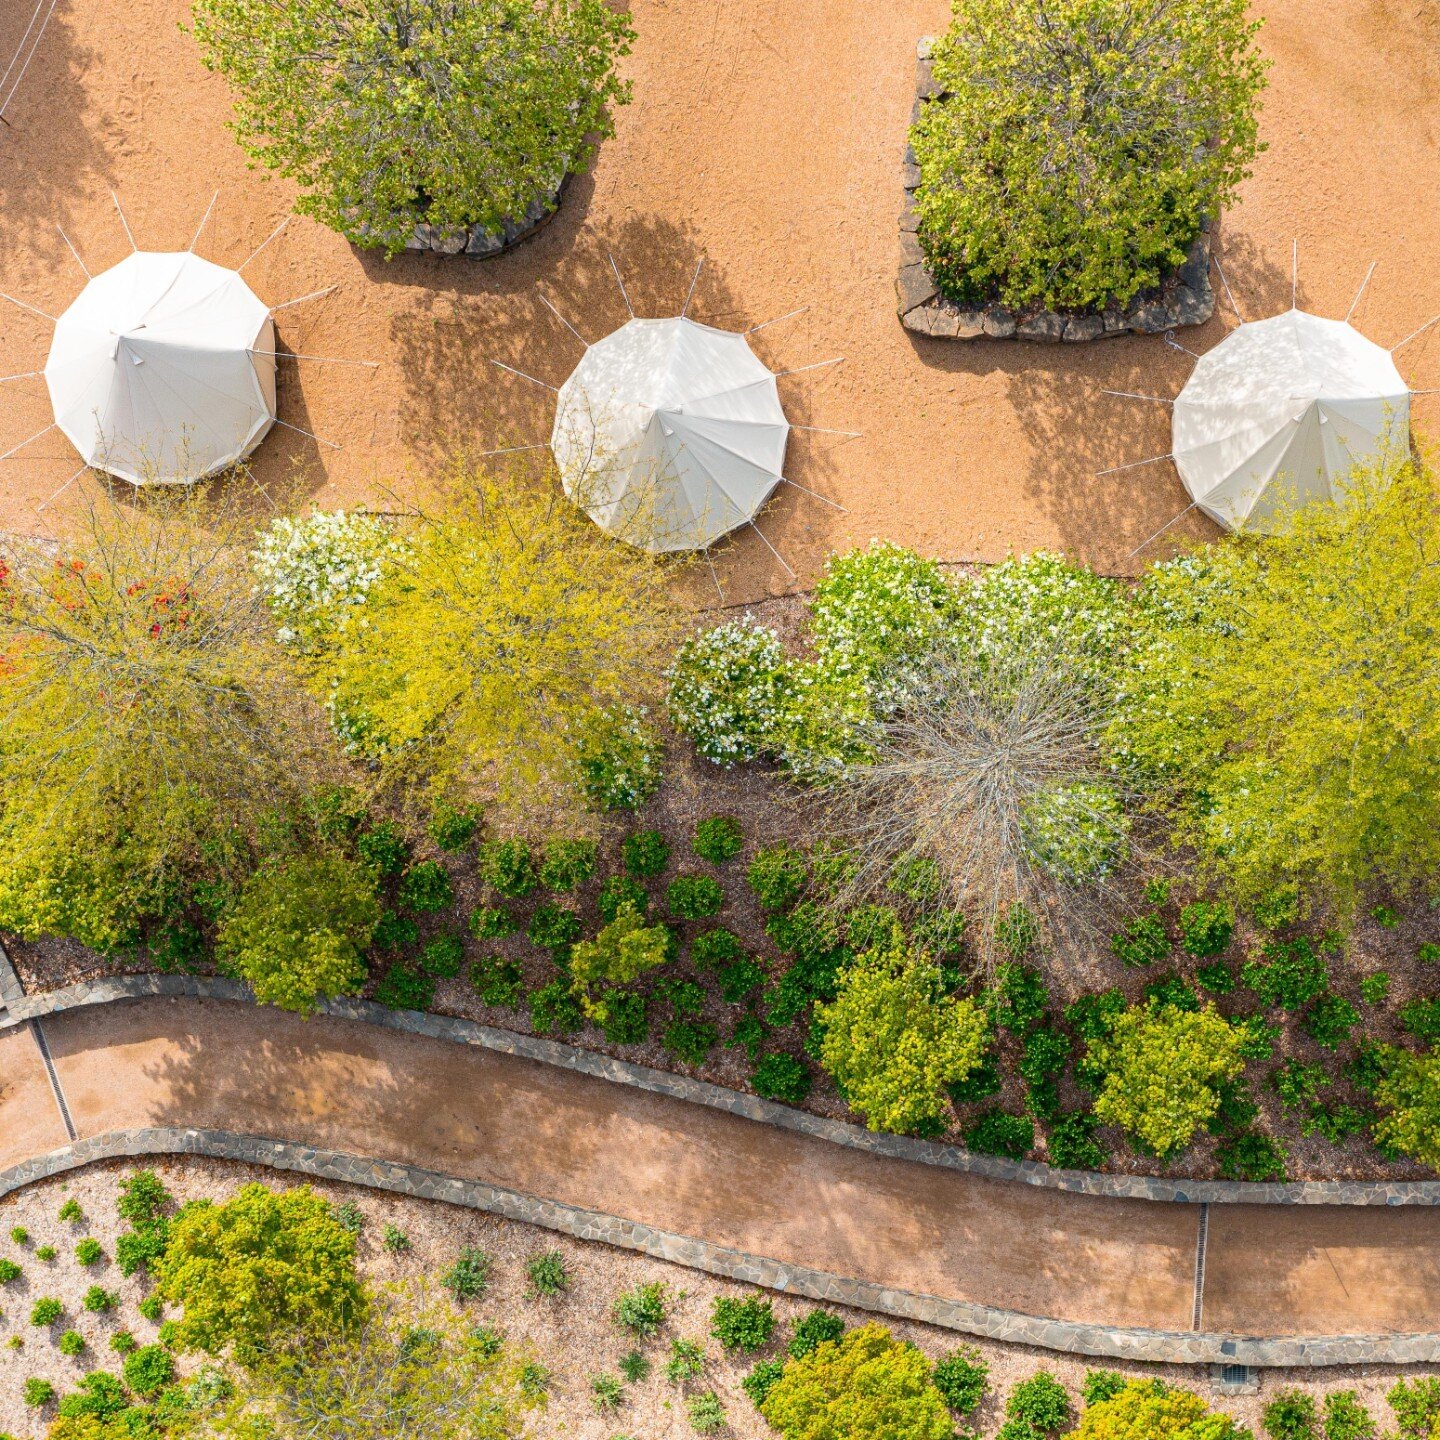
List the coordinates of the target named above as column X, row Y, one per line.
column 692, row 1171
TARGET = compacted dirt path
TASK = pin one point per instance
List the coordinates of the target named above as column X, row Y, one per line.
column 702, row 1173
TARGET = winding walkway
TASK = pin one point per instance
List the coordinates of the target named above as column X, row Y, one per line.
column 1097, row 1274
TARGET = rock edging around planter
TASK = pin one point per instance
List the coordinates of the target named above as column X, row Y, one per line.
column 1156, row 1346
column 476, row 243
column 1187, row 299
column 749, row 1107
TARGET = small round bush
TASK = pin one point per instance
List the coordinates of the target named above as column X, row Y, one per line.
column 497, row 981
column 726, row 690
column 961, row 1378
column 997, row 1133
column 620, row 893
column 383, row 848
column 38, row 1392
column 72, row 1343
column 607, row 1392
column 814, row 1329
column 402, row 988
column 9, row 1271
column 489, row 923
column 1040, row 1402
column 426, row 888
column 689, row 1041
column 149, row 1370
column 624, row 1017
column 620, row 759
column 46, row 1311
column 740, row 978
column 782, row 1077
column 443, row 956
column 98, row 1300
column 547, row 1273
column 744, row 1324
column 395, row 932
column 1100, row 1386
column 1143, row 941
column 645, row 853
column 777, row 875
column 1375, row 987
column 635, row 1367
column 20, row 1235
column 566, row 865
column 122, row 1342
column 694, row 897
column 554, row 1010
column 553, row 926
column 761, row 1380
column 1291, row 1415
column 469, row 1277
column 1206, row 928
column 45, row 1252
column 712, row 948
column 642, row 1310
column 706, row 1412
column 152, row 1308
column 453, row 829
column 507, row 867
column 718, row 839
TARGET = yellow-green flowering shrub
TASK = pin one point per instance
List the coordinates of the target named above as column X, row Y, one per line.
column 1149, row 1410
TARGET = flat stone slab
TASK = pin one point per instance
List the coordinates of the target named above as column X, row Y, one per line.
column 1186, row 297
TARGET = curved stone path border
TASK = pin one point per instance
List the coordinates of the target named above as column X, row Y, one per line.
column 1094, row 1340
column 751, row 1107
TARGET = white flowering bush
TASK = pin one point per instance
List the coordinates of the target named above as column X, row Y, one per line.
column 1075, row 832
column 876, row 613
column 1042, row 601
column 726, row 690
column 824, row 722
column 619, row 757
column 315, row 571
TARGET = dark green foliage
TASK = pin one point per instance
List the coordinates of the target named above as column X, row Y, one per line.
column 554, row 1010
column 99, row 1301
column 626, row 1020
column 997, row 1133
column 718, row 839
column 443, row 955
column 1335, row 1123
column 1041, row 1403
column 395, row 1240
column 383, row 848
column 714, row 947
column 402, row 988
column 99, row 1394
column 606, row 1391
column 742, row 1324
column 1143, row 941
column 1290, row 973
column 497, row 981
column 694, row 897
column 739, row 979
column 641, row 1311
column 1291, row 1415
column 487, row 1341
column 1384, row 917
column 618, row 893
column 645, row 853
column 1018, row 997
column 9, row 1271
column 566, row 865
column 143, row 1199
column 870, row 925
column 1101, row 1385
column 453, row 829
column 942, row 932
column 1206, row 928
column 508, row 868
column 689, row 1041
column 748, row 1035
column 547, row 1273
column 178, row 945
column 777, row 875
column 426, row 888
column 810, row 935
column 961, row 1378
column 395, row 932
column 1072, row 1144
column 469, row 1277
column 1171, row 990
column 980, row 1084
column 761, row 1380
column 149, row 1369
column 1375, row 988
column 349, row 1217
column 1369, row 1066
column 1422, row 1019
column 684, row 996
column 1046, row 1052
column 916, row 879
column 489, row 923
column 814, row 1329
column 1092, row 1016
column 122, row 1342
column 1257, row 1040
column 686, row 1362
column 635, row 1367
column 1236, row 1110
column 782, row 1077
column 1299, row 1084
column 1329, row 1020
column 1017, row 932
column 1252, row 1156
column 1278, row 909
column 1218, row 979
column 1428, row 953
column 554, row 927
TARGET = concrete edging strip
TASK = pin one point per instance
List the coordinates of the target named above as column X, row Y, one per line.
column 1153, row 1346
column 750, row 1107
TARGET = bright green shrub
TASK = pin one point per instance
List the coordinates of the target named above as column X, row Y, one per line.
column 71, row 1343
column 813, row 1329
column 1346, row 1418
column 645, row 853
column 1149, row 1410
column 1142, row 941
column 508, row 868
column 744, row 1324
column 778, row 1076
column 718, row 839
column 1291, row 1415
column 1205, row 928
column 383, row 848
column 642, row 1310
column 777, row 875
column 961, row 1378
column 453, row 829
column 623, row 951
column 426, row 887
column 1409, row 1090
column 1289, row 973
column 1037, row 1406
column 443, row 956
column 469, row 1277
column 46, row 1311
column 149, row 1370
column 566, row 865
column 694, row 897
column 553, row 926
column 298, row 933
column 994, row 1132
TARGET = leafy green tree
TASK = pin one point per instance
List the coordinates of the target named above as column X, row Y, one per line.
column 510, row 624
column 259, row 1272
column 1150, row 1410
column 1280, row 703
column 622, row 952
column 1409, row 1090
column 145, row 714
column 865, row 1386
column 389, row 112
column 1163, row 1069
column 1079, row 143
column 298, row 931
column 893, row 1039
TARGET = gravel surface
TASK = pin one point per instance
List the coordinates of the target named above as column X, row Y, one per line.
column 572, row 1336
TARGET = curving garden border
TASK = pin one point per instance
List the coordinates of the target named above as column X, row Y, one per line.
column 750, row 1107
column 1111, row 1342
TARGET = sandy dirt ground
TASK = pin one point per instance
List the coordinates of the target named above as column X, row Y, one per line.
column 766, row 138
column 573, row 1336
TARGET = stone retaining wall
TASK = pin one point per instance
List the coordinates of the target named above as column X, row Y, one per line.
column 1110, row 1342
column 751, row 1107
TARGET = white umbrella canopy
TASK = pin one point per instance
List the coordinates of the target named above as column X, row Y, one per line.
column 1279, row 412
column 670, row 433
column 157, row 372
